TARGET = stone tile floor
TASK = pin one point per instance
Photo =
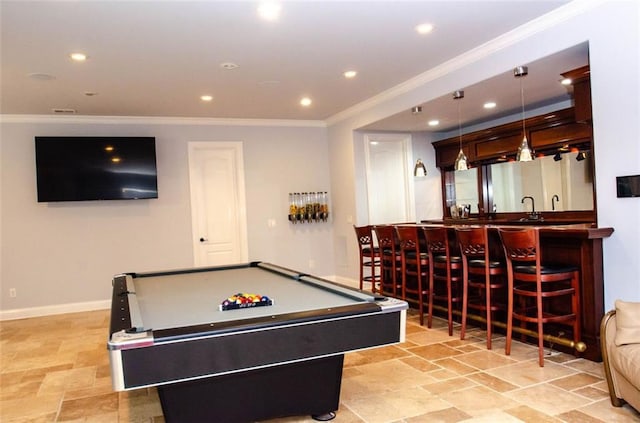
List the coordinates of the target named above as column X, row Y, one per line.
column 56, row 369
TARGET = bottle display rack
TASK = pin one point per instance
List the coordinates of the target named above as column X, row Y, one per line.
column 308, row 207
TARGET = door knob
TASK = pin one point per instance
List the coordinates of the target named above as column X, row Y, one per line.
column 203, row 239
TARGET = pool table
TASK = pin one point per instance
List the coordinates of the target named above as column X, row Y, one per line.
column 256, row 362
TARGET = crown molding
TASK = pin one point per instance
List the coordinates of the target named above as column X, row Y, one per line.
column 544, row 22
column 146, row 120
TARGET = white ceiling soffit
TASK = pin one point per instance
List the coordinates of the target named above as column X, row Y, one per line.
column 155, row 59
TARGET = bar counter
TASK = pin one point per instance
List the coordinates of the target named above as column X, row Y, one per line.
column 574, row 244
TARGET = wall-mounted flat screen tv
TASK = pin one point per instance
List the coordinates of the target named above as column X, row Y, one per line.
column 95, row 168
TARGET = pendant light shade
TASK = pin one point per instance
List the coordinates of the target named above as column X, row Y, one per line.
column 461, row 162
column 525, row 153
column 419, row 169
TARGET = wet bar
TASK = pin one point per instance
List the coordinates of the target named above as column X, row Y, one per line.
column 579, row 245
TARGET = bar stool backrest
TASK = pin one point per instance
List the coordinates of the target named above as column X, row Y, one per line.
column 408, row 237
column 365, row 236
column 437, row 241
column 387, row 238
column 473, row 241
column 521, row 245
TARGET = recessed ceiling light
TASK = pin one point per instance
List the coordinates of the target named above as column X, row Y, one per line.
column 350, row 74
column 269, row 10
column 206, row 97
column 78, row 57
column 434, row 122
column 489, row 105
column 424, row 28
column 41, row 76
column 305, row 101
column 566, row 81
column 229, row 65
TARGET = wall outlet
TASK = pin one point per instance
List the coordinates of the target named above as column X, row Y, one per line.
column 12, row 292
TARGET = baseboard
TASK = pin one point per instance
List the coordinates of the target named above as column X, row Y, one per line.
column 352, row 283
column 24, row 313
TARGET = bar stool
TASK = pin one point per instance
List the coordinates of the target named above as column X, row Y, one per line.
column 443, row 267
column 391, row 260
column 538, row 284
column 415, row 268
column 481, row 274
column 369, row 256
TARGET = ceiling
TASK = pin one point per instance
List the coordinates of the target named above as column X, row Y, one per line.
column 157, row 58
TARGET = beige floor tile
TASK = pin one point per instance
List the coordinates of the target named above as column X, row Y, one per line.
column 548, row 399
column 28, row 408
column 478, row 400
column 382, row 377
column 395, row 405
column 604, row 411
column 528, row 414
column 492, row 382
column 528, row 373
column 484, row 359
column 428, row 337
column 575, row 416
column 451, row 385
column 56, row 369
column 591, row 393
column 68, row 380
column 447, row 415
column 434, row 351
column 420, row 363
column 493, row 416
column 82, row 408
column 455, row 366
column 587, row 367
column 576, row 381
column 374, row 356
column 519, row 351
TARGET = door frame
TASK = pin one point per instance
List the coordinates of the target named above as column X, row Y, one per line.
column 407, row 179
column 193, row 148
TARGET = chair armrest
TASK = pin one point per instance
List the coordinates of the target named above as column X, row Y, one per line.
column 607, row 343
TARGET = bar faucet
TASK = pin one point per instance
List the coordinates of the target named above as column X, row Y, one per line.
column 533, row 204
column 533, row 215
column 553, row 201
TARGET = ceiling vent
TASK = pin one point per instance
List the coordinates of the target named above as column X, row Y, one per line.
column 63, row 111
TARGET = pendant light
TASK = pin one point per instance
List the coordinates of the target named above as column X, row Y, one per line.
column 525, row 154
column 419, row 169
column 461, row 162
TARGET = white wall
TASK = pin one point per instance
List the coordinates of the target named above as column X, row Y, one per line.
column 61, row 254
column 611, row 28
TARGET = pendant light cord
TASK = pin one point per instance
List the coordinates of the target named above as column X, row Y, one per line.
column 524, row 131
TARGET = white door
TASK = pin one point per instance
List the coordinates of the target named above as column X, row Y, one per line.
column 389, row 178
column 218, row 210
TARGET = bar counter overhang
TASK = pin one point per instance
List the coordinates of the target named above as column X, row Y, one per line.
column 578, row 244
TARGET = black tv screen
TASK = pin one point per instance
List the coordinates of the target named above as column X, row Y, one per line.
column 95, row 168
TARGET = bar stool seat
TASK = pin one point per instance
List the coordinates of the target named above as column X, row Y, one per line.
column 481, row 274
column 444, row 267
column 537, row 284
column 391, row 260
column 370, row 257
column 414, row 268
